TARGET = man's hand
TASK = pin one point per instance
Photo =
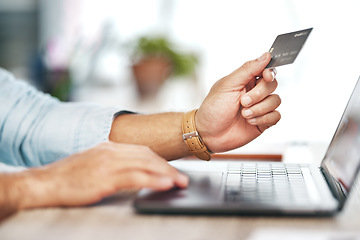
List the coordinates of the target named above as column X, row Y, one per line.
column 88, row 177
column 239, row 107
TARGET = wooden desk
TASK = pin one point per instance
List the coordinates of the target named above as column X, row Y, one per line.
column 114, row 218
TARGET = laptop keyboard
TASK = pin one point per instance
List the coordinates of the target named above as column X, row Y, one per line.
column 266, row 183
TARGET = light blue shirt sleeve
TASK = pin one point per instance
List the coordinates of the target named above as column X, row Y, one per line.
column 10, row 169
column 36, row 129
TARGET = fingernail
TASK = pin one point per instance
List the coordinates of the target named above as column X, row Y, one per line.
column 262, row 57
column 183, row 179
column 273, row 74
column 166, row 182
column 248, row 113
column 247, row 100
column 252, row 121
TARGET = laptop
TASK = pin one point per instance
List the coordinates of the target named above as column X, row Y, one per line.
column 269, row 188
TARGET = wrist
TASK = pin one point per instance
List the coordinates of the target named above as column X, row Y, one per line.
column 203, row 131
column 14, row 191
column 192, row 138
column 25, row 188
column 115, row 129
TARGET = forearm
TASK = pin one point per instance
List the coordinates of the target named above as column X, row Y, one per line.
column 161, row 132
column 10, row 193
column 26, row 189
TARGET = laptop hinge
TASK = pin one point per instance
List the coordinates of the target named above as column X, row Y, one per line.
column 334, row 186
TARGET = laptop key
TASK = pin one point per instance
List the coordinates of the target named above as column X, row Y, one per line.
column 265, row 183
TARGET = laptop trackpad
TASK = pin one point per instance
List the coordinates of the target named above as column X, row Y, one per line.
column 203, row 185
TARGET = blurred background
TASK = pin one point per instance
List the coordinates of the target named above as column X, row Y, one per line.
column 102, row 51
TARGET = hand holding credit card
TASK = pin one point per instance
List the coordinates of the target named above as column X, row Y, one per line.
column 286, row 47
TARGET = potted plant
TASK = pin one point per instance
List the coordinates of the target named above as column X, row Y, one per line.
column 155, row 59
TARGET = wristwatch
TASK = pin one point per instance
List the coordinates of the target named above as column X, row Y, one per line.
column 192, row 138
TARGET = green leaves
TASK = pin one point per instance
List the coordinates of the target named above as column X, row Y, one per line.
column 183, row 63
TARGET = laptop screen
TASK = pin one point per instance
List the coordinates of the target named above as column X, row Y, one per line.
column 342, row 159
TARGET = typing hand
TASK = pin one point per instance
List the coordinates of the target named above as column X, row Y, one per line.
column 88, row 177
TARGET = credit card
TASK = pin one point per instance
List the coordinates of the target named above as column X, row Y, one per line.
column 286, row 47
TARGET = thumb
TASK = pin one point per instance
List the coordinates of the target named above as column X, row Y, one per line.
column 251, row 69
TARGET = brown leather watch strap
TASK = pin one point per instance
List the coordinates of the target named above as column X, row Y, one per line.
column 192, row 138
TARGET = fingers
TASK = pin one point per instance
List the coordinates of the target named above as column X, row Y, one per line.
column 264, row 112
column 140, row 179
column 259, row 92
column 89, row 176
column 266, row 121
column 129, row 180
column 143, row 159
column 140, row 157
column 259, row 105
column 250, row 70
column 269, row 75
column 269, row 104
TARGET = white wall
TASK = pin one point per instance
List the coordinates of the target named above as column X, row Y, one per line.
column 316, row 87
column 227, row 33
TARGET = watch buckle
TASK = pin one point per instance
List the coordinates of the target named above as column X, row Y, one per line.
column 190, row 135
